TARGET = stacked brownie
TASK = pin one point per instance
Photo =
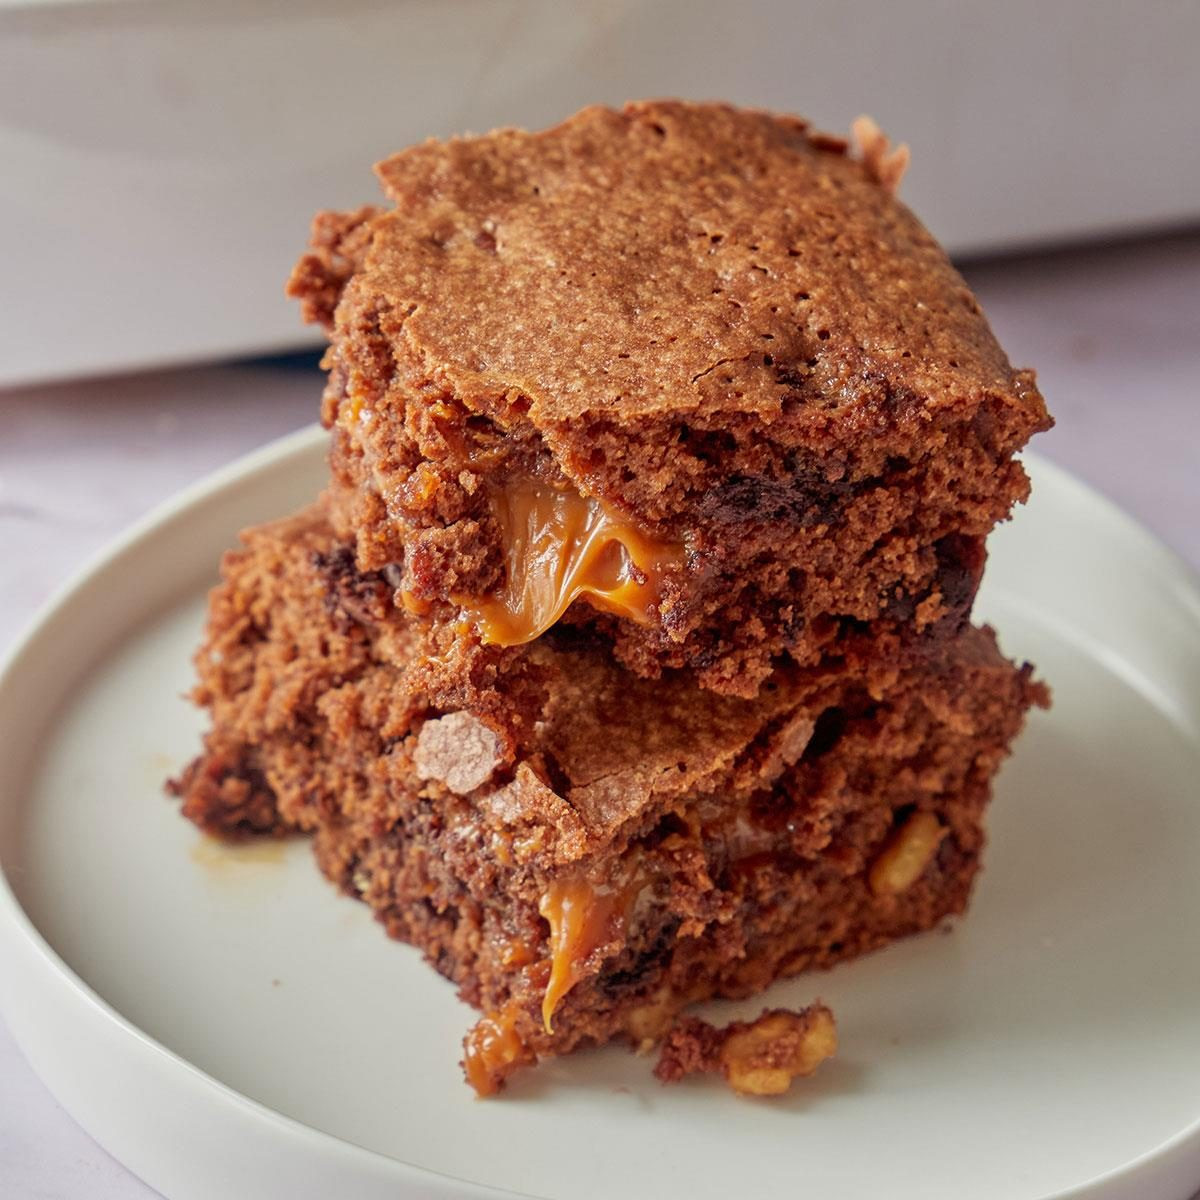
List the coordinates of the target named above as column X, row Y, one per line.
column 627, row 661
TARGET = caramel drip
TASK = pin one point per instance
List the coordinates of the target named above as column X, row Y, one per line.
column 582, row 918
column 492, row 1049
column 559, row 546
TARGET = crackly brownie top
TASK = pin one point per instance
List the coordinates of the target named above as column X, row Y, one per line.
column 667, row 258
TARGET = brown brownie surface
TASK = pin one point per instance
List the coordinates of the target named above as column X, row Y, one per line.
column 587, row 868
column 720, row 327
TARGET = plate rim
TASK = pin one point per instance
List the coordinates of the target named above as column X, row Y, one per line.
column 18, row 932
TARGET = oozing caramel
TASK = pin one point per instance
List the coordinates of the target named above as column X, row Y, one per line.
column 582, row 917
column 492, row 1049
column 559, row 546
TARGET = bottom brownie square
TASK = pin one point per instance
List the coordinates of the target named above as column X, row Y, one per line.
column 613, row 849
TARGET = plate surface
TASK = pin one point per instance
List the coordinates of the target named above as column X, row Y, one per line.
column 226, row 1024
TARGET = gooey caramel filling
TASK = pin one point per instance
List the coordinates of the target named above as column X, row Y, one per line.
column 582, row 918
column 558, row 546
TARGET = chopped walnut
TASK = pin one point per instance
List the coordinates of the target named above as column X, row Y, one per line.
column 908, row 852
column 458, row 750
column 884, row 164
column 759, row 1058
column 649, row 1021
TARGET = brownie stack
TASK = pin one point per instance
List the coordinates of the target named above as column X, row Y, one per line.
column 627, row 659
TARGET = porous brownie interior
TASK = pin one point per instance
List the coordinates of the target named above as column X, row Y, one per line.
column 758, row 359
column 624, row 847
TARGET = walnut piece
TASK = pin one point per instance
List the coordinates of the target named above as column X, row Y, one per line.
column 884, row 165
column 649, row 1021
column 907, row 854
column 759, row 1058
column 764, row 1058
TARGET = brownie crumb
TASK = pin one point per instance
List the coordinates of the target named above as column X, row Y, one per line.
column 757, row 1058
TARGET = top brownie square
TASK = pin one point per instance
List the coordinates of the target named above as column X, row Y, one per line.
column 687, row 374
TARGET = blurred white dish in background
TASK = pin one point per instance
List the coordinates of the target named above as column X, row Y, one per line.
column 162, row 161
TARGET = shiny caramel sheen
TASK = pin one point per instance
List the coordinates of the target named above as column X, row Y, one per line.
column 582, row 917
column 558, row 546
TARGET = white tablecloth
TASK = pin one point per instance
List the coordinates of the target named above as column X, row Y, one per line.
column 1114, row 334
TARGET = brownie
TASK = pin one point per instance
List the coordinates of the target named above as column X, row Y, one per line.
column 687, row 375
column 620, row 848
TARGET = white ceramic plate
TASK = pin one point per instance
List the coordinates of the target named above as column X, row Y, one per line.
column 227, row 1025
